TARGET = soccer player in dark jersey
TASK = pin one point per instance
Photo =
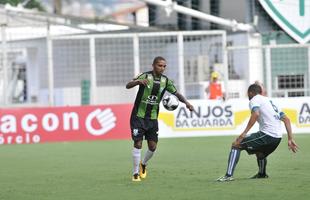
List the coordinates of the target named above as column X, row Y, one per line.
column 143, row 121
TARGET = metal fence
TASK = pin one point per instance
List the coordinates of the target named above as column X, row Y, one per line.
column 284, row 68
column 108, row 61
column 94, row 68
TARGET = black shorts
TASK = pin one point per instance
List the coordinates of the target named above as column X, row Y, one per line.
column 260, row 143
column 147, row 128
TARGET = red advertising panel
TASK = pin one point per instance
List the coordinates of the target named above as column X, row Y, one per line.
column 57, row 124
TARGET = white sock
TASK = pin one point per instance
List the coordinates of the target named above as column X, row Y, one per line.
column 136, row 155
column 148, row 155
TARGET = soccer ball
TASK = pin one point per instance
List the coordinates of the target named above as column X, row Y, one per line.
column 170, row 102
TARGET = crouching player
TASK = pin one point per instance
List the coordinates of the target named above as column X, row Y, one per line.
column 266, row 140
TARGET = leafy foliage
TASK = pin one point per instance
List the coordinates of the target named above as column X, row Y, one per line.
column 32, row 4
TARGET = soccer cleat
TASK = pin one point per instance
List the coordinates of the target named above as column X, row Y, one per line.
column 142, row 170
column 225, row 178
column 258, row 175
column 136, row 178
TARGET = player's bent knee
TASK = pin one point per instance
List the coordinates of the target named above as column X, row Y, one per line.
column 152, row 148
column 152, row 145
column 138, row 144
column 260, row 156
column 234, row 146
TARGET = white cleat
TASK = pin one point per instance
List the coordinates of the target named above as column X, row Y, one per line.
column 225, row 178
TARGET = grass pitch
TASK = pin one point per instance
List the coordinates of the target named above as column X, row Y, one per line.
column 183, row 168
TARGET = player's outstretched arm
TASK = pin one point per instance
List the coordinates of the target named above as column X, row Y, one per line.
column 136, row 82
column 183, row 100
column 291, row 143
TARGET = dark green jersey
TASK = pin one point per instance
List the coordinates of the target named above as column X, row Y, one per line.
column 148, row 97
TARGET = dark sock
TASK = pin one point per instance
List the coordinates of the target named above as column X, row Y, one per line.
column 232, row 161
column 262, row 166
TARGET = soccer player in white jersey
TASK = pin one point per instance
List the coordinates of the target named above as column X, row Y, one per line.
column 266, row 140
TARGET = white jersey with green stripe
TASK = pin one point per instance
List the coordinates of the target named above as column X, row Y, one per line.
column 269, row 115
column 148, row 97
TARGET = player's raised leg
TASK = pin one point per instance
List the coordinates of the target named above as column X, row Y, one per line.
column 148, row 155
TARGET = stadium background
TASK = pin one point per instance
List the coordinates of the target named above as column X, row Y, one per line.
column 67, row 65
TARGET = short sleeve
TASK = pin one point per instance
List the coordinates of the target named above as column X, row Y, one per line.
column 254, row 104
column 140, row 76
column 170, row 87
column 282, row 115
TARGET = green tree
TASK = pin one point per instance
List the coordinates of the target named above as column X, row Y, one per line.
column 28, row 3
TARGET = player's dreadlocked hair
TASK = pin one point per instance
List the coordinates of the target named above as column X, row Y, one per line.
column 255, row 88
column 157, row 59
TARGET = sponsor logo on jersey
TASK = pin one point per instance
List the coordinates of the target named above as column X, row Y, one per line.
column 151, row 99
